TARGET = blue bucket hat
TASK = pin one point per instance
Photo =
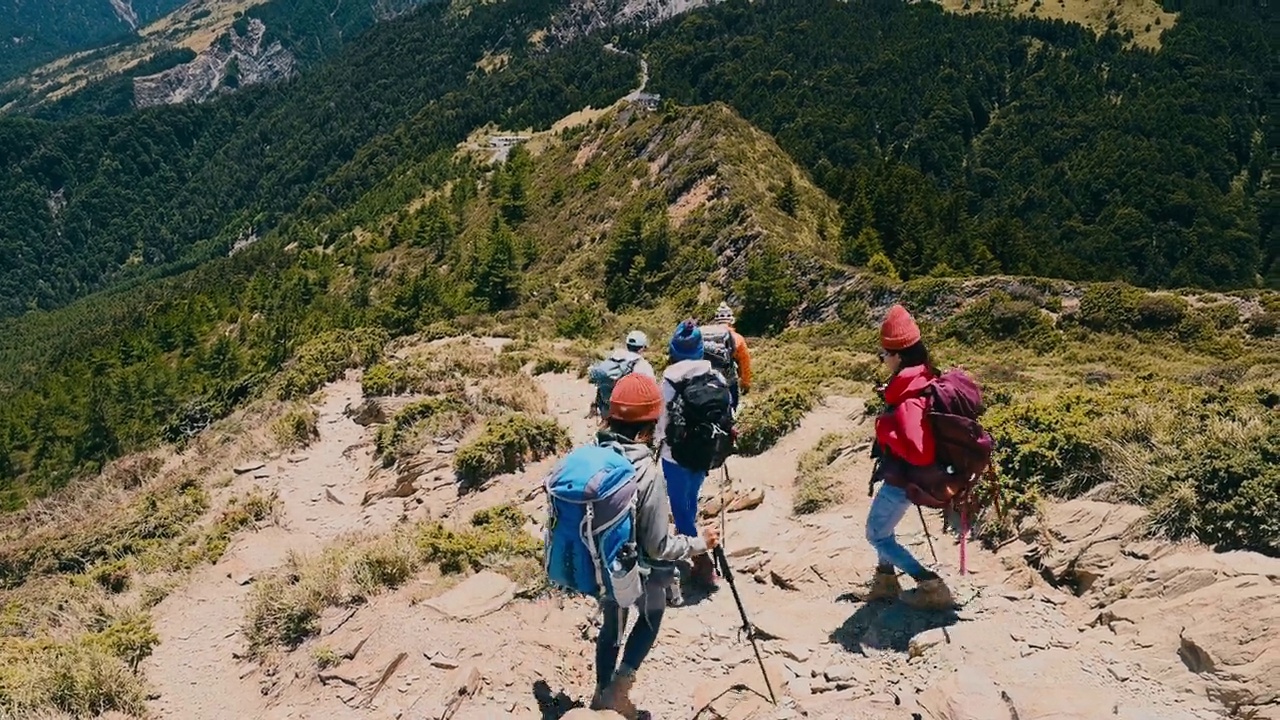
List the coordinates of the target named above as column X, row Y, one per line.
column 686, row 343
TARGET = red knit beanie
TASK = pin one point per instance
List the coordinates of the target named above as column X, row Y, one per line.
column 899, row 330
column 635, row 398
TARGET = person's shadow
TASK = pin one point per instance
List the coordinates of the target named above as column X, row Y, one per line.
column 885, row 625
column 553, row 706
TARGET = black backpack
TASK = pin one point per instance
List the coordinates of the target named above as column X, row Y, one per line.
column 700, row 425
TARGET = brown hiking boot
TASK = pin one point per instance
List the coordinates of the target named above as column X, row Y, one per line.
column 931, row 594
column 703, row 574
column 884, row 586
column 617, row 696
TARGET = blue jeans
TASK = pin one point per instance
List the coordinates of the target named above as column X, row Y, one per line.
column 734, row 395
column 887, row 510
column 683, row 486
column 643, row 635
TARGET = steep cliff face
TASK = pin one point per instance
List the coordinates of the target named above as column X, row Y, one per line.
column 584, row 17
column 234, row 61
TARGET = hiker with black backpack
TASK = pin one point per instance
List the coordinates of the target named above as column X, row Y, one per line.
column 930, row 450
column 727, row 351
column 607, row 536
column 622, row 362
column 695, row 433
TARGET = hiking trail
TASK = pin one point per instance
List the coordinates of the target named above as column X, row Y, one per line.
column 1018, row 648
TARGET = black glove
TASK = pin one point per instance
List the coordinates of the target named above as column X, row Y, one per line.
column 876, row 452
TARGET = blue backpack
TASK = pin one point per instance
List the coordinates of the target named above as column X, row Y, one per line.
column 590, row 542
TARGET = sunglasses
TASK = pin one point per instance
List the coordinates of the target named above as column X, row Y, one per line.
column 884, row 355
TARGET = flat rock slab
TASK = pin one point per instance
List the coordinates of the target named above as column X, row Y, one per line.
column 481, row 594
column 249, row 467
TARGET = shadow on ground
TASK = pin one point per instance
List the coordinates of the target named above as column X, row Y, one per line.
column 553, row 706
column 888, row 626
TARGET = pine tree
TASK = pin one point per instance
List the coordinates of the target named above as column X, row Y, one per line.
column 496, row 279
column 768, row 293
column 789, row 197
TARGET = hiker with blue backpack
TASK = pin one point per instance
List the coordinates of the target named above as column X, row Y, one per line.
column 608, row 536
column 622, row 362
column 930, row 450
column 695, row 434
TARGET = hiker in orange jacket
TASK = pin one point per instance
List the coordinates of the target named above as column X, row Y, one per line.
column 728, row 353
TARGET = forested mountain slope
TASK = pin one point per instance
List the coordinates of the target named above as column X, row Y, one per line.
column 34, row 32
column 975, row 144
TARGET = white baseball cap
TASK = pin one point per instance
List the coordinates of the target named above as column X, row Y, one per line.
column 637, row 340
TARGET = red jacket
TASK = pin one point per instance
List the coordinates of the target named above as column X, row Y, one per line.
column 904, row 430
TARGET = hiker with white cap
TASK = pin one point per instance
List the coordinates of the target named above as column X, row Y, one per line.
column 727, row 352
column 621, row 363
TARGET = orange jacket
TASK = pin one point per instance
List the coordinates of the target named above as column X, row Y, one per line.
column 742, row 357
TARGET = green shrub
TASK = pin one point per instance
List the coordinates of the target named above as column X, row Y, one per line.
column 924, row 293
column 1160, row 312
column 997, row 316
column 506, row 444
column 324, row 358
column 383, row 379
column 1109, row 307
column 547, row 364
column 763, row 423
column 1221, row 316
column 1264, row 324
column 582, row 321
column 445, row 415
column 881, row 266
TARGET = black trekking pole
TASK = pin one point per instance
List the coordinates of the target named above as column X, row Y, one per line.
column 746, row 624
column 927, row 536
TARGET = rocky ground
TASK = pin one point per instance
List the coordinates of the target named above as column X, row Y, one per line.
column 1156, row 631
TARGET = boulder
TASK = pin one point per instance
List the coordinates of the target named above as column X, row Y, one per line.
column 370, row 412
column 1085, row 538
column 481, row 594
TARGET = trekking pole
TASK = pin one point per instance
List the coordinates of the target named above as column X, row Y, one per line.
column 723, row 561
column 927, row 536
column 724, row 498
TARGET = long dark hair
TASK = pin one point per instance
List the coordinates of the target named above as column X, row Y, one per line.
column 915, row 356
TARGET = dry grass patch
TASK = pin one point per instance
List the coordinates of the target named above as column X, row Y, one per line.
column 512, row 393
column 817, row 485
column 296, row 428
column 285, row 609
column 438, row 368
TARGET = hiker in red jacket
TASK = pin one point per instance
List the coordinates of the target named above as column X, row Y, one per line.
column 903, row 435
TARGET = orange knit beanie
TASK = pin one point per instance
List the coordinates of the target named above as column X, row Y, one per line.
column 635, row 398
column 899, row 330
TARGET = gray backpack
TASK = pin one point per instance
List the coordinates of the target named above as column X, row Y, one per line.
column 605, row 374
column 718, row 348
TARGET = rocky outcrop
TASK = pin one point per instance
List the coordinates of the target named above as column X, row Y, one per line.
column 585, row 17
column 234, row 61
column 1199, row 621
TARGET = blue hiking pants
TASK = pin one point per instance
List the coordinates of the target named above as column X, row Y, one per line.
column 683, row 486
column 887, row 510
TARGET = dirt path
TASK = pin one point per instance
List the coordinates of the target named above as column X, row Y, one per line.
column 193, row 670
column 830, row 657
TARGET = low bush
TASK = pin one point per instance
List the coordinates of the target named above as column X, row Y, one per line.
column 324, row 358
column 1160, row 311
column 296, row 428
column 1264, row 324
column 506, row 444
column 445, row 416
column 997, row 317
column 438, row 369
column 240, row 513
column 762, row 423
column 1109, row 307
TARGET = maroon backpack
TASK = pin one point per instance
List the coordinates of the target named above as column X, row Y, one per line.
column 963, row 448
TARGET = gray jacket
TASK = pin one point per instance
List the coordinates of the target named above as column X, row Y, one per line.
column 659, row 548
